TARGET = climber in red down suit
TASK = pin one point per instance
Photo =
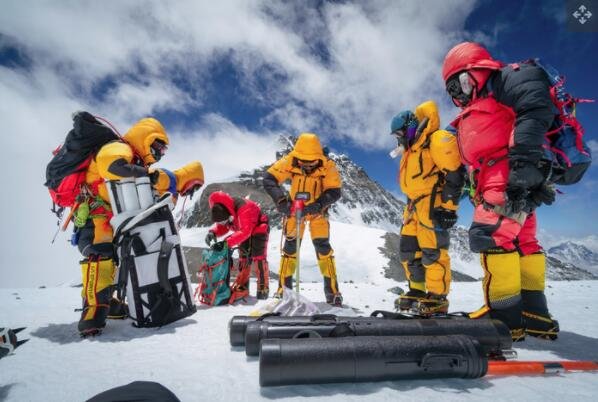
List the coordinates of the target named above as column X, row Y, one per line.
column 250, row 233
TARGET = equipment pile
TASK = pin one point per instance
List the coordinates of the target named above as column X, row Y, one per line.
column 384, row 346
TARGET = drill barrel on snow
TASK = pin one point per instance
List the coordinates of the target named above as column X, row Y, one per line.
column 370, row 358
column 494, row 337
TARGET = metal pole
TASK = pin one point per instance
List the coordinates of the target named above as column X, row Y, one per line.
column 298, row 212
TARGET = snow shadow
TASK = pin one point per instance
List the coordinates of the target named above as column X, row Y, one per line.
column 5, row 390
column 453, row 386
column 569, row 346
column 246, row 301
column 115, row 331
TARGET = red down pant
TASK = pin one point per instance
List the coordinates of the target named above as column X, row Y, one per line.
column 253, row 253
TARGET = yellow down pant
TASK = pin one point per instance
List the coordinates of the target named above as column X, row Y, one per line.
column 423, row 250
column 98, row 277
column 319, row 229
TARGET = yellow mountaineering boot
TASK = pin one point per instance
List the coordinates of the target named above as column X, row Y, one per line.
column 538, row 321
column 409, row 301
column 288, row 264
column 433, row 304
column 328, row 270
column 98, row 277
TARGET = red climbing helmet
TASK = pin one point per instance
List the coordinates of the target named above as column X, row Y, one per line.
column 467, row 56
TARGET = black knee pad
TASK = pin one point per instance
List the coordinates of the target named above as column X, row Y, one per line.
column 430, row 255
column 259, row 243
column 480, row 236
column 290, row 247
column 322, row 246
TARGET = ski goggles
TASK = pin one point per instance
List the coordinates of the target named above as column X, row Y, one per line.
column 460, row 88
column 158, row 149
column 308, row 164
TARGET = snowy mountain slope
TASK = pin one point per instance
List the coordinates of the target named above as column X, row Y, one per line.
column 575, row 254
column 194, row 359
column 364, row 202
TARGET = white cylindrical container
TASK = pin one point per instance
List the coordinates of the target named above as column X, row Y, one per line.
column 130, row 200
column 144, row 192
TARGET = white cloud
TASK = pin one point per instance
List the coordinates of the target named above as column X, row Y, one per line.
column 381, row 57
column 223, row 149
column 593, row 145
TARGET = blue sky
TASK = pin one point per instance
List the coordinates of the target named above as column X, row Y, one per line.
column 227, row 77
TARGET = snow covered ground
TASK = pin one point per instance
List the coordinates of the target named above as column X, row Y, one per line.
column 356, row 250
column 194, row 359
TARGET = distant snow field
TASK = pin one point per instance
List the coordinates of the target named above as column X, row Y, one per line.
column 193, row 357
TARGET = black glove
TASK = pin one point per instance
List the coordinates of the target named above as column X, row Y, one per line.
column 515, row 200
column 313, row 209
column 544, row 194
column 154, row 176
column 444, row 218
column 523, row 176
column 210, row 238
column 218, row 246
column 284, row 206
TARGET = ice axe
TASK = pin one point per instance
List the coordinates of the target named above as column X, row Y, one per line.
column 8, row 340
column 297, row 209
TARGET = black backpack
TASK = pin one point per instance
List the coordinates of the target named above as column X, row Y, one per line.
column 66, row 171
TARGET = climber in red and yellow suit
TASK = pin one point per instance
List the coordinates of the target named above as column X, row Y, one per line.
column 506, row 111
column 250, row 233
column 309, row 170
column 184, row 181
column 143, row 145
column 432, row 177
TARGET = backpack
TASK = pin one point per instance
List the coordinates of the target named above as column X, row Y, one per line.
column 566, row 151
column 65, row 174
column 214, row 277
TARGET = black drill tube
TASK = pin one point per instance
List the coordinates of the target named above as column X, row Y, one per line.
column 370, row 358
column 238, row 324
column 493, row 335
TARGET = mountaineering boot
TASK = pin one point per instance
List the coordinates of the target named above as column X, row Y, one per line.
column 502, row 289
column 288, row 264
column 98, row 277
column 409, row 300
column 536, row 318
column 433, row 304
column 511, row 318
column 118, row 310
column 328, row 270
column 334, row 299
column 263, row 279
